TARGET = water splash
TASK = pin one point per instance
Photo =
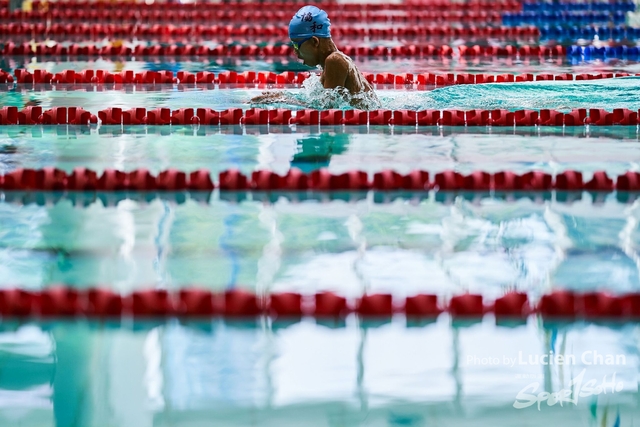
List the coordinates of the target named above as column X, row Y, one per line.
column 313, row 95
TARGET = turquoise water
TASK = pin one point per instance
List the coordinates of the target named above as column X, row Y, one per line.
column 171, row 373
column 560, row 95
column 405, row 246
column 355, row 375
column 613, row 149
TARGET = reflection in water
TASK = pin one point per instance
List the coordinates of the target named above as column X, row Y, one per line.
column 372, row 149
column 155, row 374
column 315, row 151
column 74, row 349
column 402, row 246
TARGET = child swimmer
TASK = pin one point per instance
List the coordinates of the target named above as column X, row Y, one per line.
column 309, row 31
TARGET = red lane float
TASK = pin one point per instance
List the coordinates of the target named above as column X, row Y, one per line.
column 18, row 303
column 630, row 181
column 150, row 303
column 5, row 77
column 512, row 305
column 323, row 180
column 198, row 303
column 83, row 179
column 558, row 304
column 391, row 180
column 103, row 303
column 422, row 306
column 375, row 305
column 599, row 305
column 329, row 305
column 591, row 305
column 199, row 50
column 252, row 78
column 240, row 303
column 467, row 306
column 294, row 180
column 285, row 304
column 58, row 301
column 53, row 116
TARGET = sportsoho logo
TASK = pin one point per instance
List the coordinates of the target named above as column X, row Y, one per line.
column 578, row 388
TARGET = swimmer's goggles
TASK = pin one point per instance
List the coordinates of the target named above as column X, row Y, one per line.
column 296, row 45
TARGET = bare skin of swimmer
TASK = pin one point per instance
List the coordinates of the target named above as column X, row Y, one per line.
column 338, row 69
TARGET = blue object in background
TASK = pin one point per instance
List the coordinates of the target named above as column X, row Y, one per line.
column 565, row 18
column 592, row 52
column 614, row 51
column 575, row 51
column 588, row 32
column 555, row 6
column 603, row 32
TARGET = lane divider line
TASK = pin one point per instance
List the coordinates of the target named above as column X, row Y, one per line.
column 103, row 303
column 113, row 180
column 35, row 115
column 235, row 79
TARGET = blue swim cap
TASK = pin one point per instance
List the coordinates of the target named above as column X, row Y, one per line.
column 308, row 22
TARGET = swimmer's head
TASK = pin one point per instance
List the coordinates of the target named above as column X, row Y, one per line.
column 308, row 29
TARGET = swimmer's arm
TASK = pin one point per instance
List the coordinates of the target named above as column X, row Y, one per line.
column 267, row 97
column 274, row 98
column 335, row 72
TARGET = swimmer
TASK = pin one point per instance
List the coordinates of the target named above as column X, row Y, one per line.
column 309, row 31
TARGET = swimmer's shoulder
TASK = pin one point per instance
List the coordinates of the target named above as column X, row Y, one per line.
column 337, row 60
column 336, row 71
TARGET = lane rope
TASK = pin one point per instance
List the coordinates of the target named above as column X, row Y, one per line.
column 559, row 305
column 83, row 179
column 263, row 15
column 146, row 30
column 235, row 79
column 282, row 49
column 35, row 115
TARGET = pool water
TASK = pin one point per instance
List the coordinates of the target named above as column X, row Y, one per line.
column 353, row 373
column 269, row 375
column 560, row 95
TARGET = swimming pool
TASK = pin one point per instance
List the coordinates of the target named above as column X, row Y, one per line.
column 356, row 370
